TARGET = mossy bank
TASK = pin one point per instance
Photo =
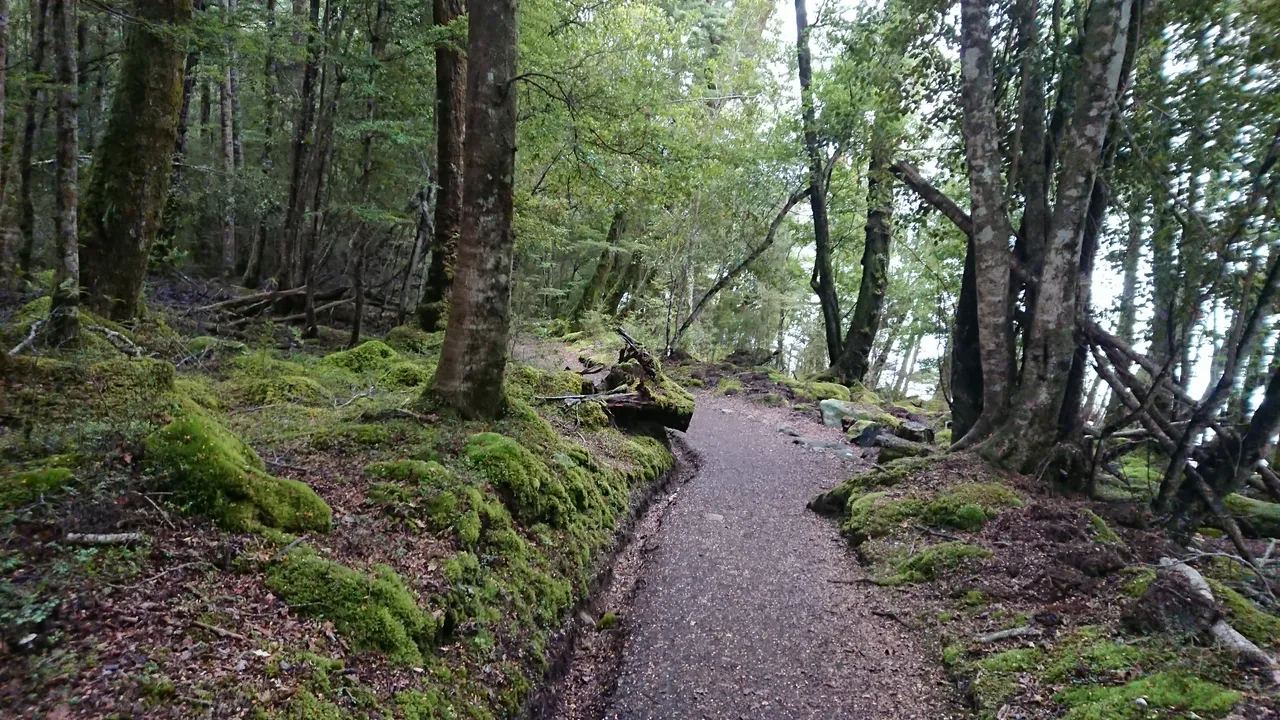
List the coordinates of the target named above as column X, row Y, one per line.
column 354, row 549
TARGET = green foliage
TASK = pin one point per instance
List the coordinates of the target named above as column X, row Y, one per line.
column 214, row 473
column 374, row 611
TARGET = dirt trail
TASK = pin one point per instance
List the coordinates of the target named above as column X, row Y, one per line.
column 750, row 605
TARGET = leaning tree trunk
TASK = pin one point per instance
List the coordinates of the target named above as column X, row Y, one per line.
column 824, row 284
column 26, row 163
column 451, row 95
column 130, row 177
column 64, row 322
column 855, row 356
column 474, row 356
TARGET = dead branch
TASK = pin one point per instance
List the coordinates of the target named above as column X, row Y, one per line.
column 219, row 631
column 1018, row 632
column 1223, row 633
column 31, row 338
column 270, row 295
column 292, row 318
column 119, row 340
column 104, row 539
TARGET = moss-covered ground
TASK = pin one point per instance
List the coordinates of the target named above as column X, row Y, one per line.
column 318, row 539
column 969, row 552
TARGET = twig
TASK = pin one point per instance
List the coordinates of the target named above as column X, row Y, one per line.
column 287, row 548
column 936, row 533
column 160, row 510
column 287, row 466
column 31, row 338
column 357, row 396
column 219, row 631
column 106, row 539
column 893, row 616
column 161, row 574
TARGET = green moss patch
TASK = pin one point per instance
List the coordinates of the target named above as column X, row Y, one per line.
column 407, row 338
column 963, row 507
column 728, row 386
column 364, row 358
column 1251, row 621
column 925, row 565
column 406, row 375
column 836, row 500
column 283, row 389
column 26, row 486
column 1101, row 531
column 374, row 611
column 1255, row 517
column 529, row 490
column 217, row 475
column 1164, row 693
column 819, row 391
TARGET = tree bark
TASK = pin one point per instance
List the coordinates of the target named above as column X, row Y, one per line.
column 291, row 271
column 64, row 323
column 451, row 96
column 865, row 323
column 177, row 180
column 966, row 353
column 423, row 234
column 129, row 182
column 226, row 114
column 26, row 163
column 825, row 285
column 991, row 230
column 252, row 277
column 474, row 356
column 1049, row 344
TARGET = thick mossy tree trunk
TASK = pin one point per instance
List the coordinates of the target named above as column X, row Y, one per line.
column 865, row 323
column 590, row 297
column 64, row 322
column 130, row 175
column 451, row 96
column 474, row 356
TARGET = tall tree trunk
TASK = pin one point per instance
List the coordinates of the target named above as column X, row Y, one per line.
column 451, row 87
column 604, row 268
column 991, row 230
column 177, row 180
column 377, row 48
column 64, row 323
column 227, row 116
column 824, row 284
column 290, row 272
column 253, row 265
column 320, row 198
column 865, row 323
column 966, row 353
column 1128, row 292
column 422, row 236
column 130, row 178
column 474, row 356
column 1050, row 344
column 626, row 283
column 233, row 87
column 908, row 366
column 26, row 164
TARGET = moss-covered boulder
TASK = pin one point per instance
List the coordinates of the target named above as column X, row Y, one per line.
column 374, row 611
column 364, row 358
column 216, row 474
column 837, row 413
column 407, row 338
column 282, row 389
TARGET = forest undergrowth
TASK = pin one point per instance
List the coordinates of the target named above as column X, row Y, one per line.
column 200, row 525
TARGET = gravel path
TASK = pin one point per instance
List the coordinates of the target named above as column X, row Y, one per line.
column 750, row 606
